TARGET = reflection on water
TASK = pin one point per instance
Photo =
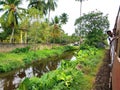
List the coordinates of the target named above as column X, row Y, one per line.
column 11, row 80
column 73, row 58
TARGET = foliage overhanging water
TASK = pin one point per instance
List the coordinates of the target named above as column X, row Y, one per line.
column 11, row 80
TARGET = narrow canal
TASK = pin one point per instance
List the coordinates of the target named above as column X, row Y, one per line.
column 11, row 80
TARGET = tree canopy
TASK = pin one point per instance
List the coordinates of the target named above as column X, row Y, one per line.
column 92, row 26
column 31, row 25
column 11, row 15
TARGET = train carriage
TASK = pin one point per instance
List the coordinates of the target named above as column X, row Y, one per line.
column 115, row 54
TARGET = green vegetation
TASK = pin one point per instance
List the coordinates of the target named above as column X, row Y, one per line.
column 20, row 25
column 91, row 28
column 72, row 75
column 23, row 56
column 30, row 25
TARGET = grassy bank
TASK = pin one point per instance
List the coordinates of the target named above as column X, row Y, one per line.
column 72, row 75
column 21, row 57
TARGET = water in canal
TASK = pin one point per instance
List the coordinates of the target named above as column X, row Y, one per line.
column 11, row 80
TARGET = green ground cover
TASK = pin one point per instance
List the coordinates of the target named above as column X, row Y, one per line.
column 76, row 74
column 23, row 56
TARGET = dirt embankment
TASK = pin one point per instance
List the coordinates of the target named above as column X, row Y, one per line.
column 102, row 77
column 6, row 47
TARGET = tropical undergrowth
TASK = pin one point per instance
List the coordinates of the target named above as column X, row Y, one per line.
column 21, row 57
column 76, row 74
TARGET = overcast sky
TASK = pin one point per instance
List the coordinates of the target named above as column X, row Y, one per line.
column 72, row 8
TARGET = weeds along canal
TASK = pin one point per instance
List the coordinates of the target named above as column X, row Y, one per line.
column 11, row 80
column 103, row 75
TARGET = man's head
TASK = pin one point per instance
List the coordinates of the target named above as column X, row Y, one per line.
column 110, row 33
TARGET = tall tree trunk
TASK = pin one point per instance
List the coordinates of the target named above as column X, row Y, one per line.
column 11, row 38
column 25, row 36
column 37, row 25
column 80, row 23
column 21, row 38
column 49, row 15
column 54, row 41
column 80, row 8
column 60, row 38
column 47, row 40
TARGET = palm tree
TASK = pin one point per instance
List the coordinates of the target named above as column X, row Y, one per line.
column 64, row 18
column 38, row 4
column 23, row 27
column 56, row 28
column 10, row 16
column 80, row 6
column 51, row 5
column 80, row 13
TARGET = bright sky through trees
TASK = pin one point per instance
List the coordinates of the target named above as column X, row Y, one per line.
column 72, row 8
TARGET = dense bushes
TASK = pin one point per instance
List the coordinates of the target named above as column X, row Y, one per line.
column 56, row 80
column 21, row 50
column 10, row 65
column 40, row 54
column 72, row 75
column 22, row 56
